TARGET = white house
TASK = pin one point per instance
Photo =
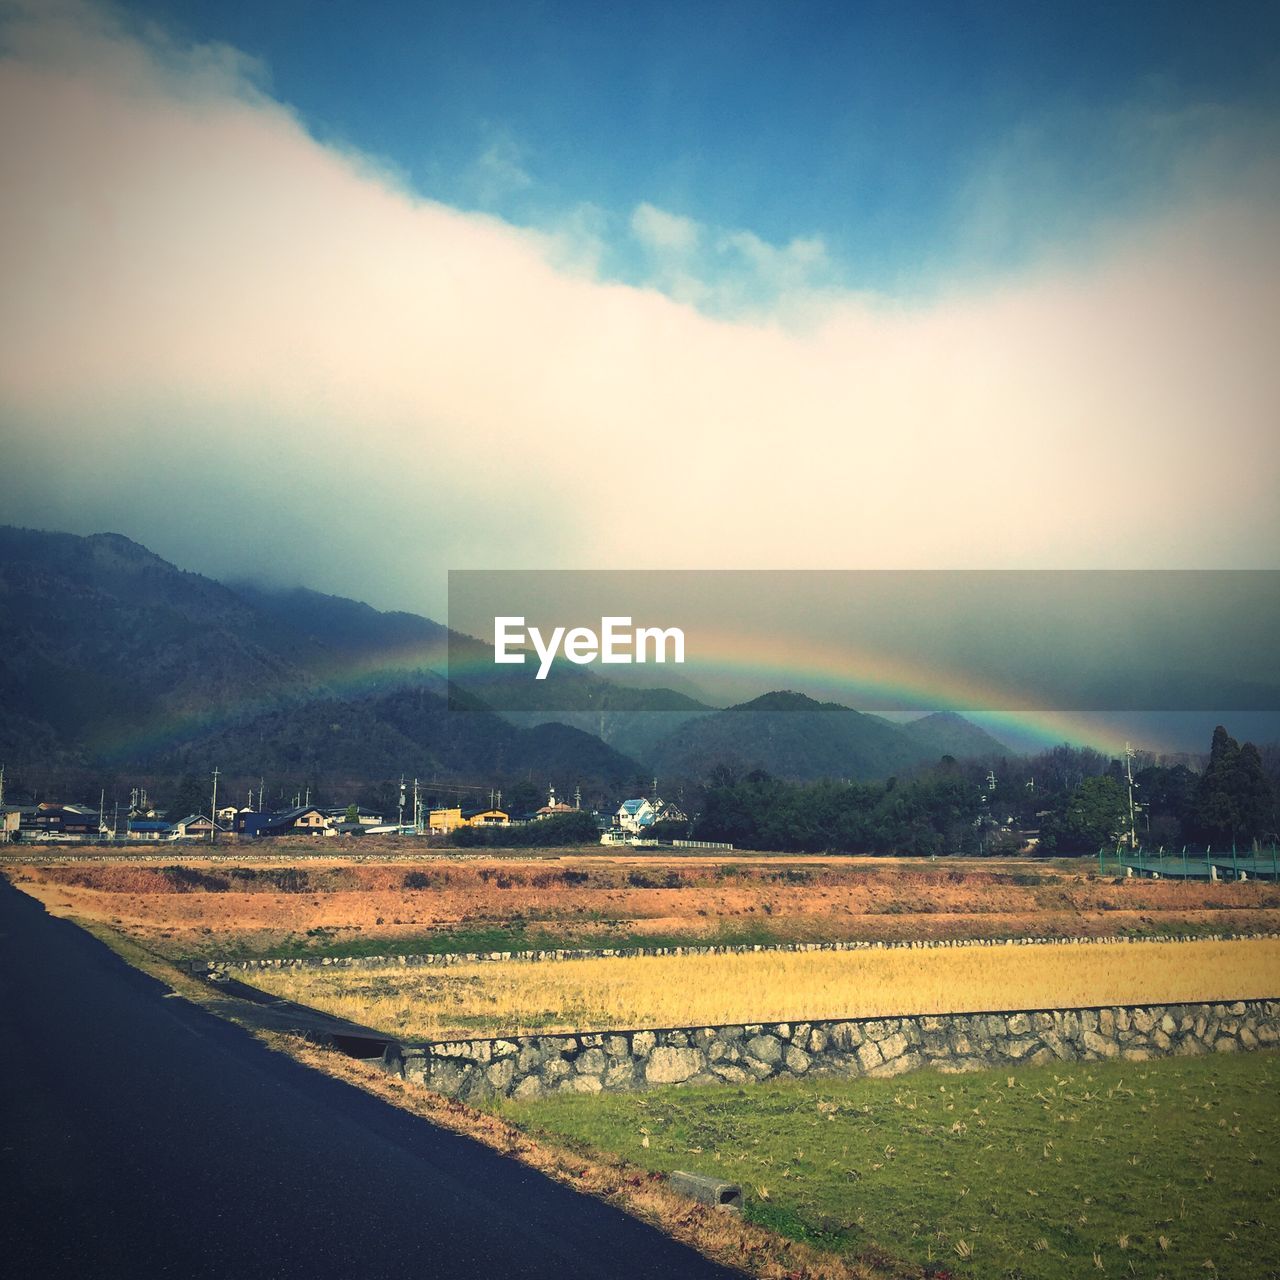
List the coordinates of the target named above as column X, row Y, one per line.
column 636, row 816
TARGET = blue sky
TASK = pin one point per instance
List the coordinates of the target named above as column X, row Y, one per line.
column 917, row 143
column 412, row 288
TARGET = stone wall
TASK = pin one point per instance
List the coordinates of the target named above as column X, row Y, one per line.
column 529, row 1066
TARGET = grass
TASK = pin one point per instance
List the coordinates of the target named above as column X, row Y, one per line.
column 501, row 998
column 516, row 935
column 1160, row 1169
column 521, row 935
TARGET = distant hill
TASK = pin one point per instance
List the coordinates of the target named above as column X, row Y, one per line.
column 101, row 640
column 383, row 734
column 110, row 656
column 945, row 733
column 792, row 736
column 342, row 631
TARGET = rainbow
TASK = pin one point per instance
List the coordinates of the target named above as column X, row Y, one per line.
column 857, row 677
column 861, row 677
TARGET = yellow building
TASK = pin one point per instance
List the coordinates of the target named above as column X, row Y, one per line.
column 442, row 821
column 485, row 817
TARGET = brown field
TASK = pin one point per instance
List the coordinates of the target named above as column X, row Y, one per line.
column 247, row 904
column 602, row 994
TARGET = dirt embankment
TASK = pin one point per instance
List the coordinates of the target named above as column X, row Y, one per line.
column 206, row 907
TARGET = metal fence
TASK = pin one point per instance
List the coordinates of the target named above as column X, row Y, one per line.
column 1184, row 864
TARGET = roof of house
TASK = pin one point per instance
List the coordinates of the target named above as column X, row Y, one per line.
column 280, row 821
column 632, row 806
column 488, row 808
column 295, row 813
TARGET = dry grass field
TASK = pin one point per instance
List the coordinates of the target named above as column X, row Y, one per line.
column 598, row 994
column 245, row 903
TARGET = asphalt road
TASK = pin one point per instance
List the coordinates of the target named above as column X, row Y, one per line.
column 141, row 1136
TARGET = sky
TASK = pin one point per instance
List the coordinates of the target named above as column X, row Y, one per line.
column 352, row 295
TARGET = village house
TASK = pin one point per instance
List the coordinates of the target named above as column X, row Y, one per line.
column 10, row 820
column 147, row 829
column 635, row 816
column 553, row 808
column 442, row 821
column 195, row 826
column 49, row 818
column 639, row 816
column 365, row 817
column 486, row 817
column 303, row 819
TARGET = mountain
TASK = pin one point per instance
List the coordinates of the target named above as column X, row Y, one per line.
column 111, row 656
column 947, row 734
column 390, row 649
column 101, row 640
column 792, row 736
column 382, row 734
column 350, row 633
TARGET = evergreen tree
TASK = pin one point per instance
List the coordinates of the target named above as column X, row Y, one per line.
column 188, row 797
column 1235, row 802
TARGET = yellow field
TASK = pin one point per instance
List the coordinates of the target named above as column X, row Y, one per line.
column 673, row 991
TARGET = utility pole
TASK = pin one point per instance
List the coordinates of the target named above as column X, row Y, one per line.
column 417, row 810
column 213, row 810
column 1128, row 771
column 400, row 813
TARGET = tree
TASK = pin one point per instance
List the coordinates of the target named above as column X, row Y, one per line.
column 353, row 813
column 523, row 797
column 1096, row 814
column 1235, row 801
column 189, row 796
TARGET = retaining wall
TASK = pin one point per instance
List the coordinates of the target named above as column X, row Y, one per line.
column 617, row 1061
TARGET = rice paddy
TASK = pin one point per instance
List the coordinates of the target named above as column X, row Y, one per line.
column 597, row 994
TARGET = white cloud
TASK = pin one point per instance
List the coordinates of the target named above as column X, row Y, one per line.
column 499, row 171
column 230, row 341
column 729, row 272
column 664, row 233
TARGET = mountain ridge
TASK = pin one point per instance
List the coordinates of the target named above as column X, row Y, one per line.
column 110, row 655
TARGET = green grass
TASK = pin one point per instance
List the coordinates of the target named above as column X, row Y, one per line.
column 516, row 936
column 1043, row 1173
column 520, row 935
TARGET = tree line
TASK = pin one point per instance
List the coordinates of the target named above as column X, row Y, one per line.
column 1069, row 799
